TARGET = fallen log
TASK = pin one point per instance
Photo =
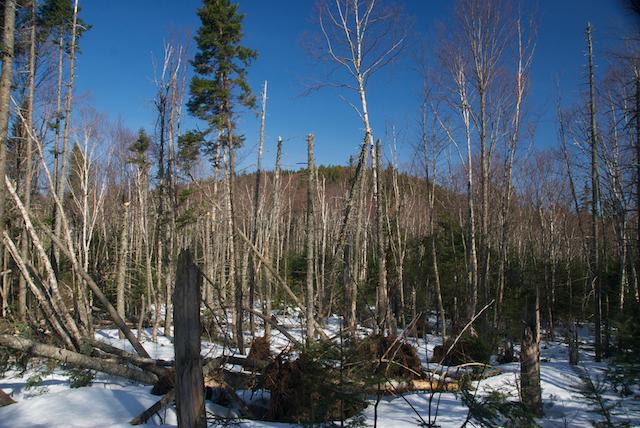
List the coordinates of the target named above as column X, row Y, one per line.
column 159, row 405
column 79, row 360
column 218, row 379
column 393, row 387
column 148, row 364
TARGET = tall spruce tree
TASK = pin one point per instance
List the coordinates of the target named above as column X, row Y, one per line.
column 217, row 91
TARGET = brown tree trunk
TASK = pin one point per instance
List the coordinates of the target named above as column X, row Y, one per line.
column 5, row 99
column 186, row 318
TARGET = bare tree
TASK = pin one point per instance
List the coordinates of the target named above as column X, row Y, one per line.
column 485, row 86
column 358, row 38
column 310, row 240
column 89, row 162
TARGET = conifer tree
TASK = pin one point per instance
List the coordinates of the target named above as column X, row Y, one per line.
column 217, row 90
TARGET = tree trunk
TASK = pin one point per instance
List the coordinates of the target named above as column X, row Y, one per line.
column 69, row 357
column 28, row 124
column 5, row 99
column 385, row 316
column 272, row 241
column 530, row 391
column 186, row 316
column 37, row 288
column 310, row 239
column 122, row 264
column 62, row 177
column 595, row 201
column 256, row 207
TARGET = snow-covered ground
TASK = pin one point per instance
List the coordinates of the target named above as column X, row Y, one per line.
column 113, row 402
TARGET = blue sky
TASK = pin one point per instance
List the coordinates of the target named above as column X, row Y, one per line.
column 116, row 67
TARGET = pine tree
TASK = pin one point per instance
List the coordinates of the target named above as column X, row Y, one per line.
column 216, row 91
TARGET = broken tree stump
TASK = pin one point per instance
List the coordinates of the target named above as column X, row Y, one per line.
column 186, row 319
column 5, row 400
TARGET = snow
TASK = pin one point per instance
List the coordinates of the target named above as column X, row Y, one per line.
column 112, row 402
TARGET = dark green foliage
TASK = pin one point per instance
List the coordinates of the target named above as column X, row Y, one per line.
column 594, row 390
column 308, row 390
column 333, row 174
column 220, row 80
column 80, row 377
column 139, row 149
column 189, row 145
column 624, row 375
column 219, row 421
column 627, row 334
column 496, row 410
column 57, row 16
column 39, row 371
column 188, row 217
column 478, row 348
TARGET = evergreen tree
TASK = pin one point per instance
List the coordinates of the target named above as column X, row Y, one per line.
column 219, row 87
column 220, row 81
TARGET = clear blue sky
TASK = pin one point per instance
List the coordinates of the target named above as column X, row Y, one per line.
column 116, row 67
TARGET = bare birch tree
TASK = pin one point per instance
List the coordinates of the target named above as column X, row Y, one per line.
column 358, row 37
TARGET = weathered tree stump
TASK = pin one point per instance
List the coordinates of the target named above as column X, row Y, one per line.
column 186, row 319
column 5, row 400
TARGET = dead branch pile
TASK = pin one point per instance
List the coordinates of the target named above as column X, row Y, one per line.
column 260, row 350
column 461, row 352
column 304, row 391
column 391, row 357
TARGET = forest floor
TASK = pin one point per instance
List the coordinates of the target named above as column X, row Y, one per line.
column 45, row 398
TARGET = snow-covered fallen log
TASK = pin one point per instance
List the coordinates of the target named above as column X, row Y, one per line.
column 79, row 360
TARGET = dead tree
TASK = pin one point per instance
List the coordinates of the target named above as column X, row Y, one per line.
column 80, row 360
column 310, row 239
column 186, row 317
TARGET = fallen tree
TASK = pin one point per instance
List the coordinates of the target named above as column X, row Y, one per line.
column 79, row 360
column 149, row 364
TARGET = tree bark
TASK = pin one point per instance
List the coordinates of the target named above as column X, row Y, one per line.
column 28, row 123
column 530, row 390
column 310, row 238
column 62, row 177
column 272, row 241
column 65, row 356
column 385, row 315
column 186, row 318
column 5, row 99
column 122, row 264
